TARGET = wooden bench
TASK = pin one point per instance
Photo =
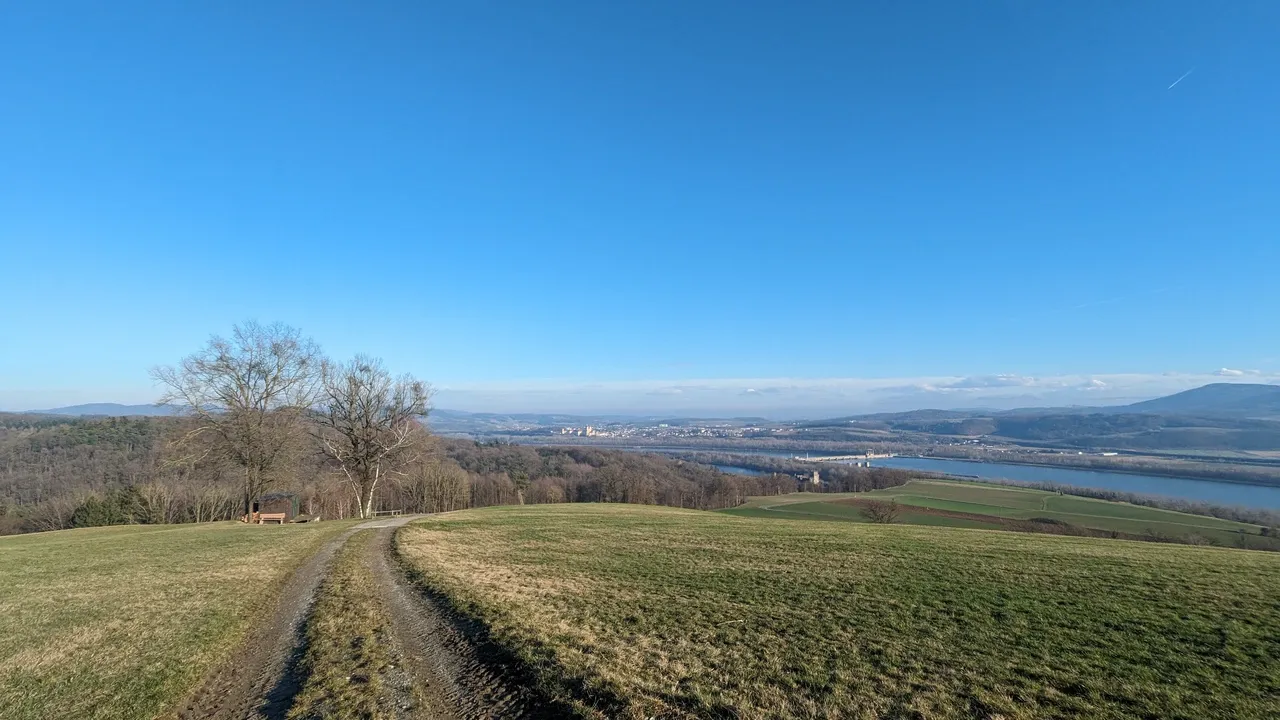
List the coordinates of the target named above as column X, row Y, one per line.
column 268, row 517
column 392, row 513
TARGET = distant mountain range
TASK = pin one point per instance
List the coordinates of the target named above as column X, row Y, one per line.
column 1221, row 400
column 1220, row 416
column 1226, row 399
column 109, row 409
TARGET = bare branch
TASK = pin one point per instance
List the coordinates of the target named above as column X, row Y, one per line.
column 369, row 422
column 251, row 392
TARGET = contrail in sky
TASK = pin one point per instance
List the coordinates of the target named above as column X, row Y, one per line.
column 1184, row 77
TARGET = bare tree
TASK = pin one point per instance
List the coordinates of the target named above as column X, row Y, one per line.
column 369, row 423
column 879, row 511
column 249, row 394
column 55, row 514
column 435, row 486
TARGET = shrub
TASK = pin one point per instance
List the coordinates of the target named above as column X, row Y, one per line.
column 879, row 511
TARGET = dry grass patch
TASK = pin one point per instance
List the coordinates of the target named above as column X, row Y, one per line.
column 122, row 622
column 657, row 612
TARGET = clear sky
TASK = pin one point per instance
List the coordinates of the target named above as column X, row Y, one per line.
column 527, row 203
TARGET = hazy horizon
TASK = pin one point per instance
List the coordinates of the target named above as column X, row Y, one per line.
column 773, row 398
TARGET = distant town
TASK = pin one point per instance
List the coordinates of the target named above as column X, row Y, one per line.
column 667, row 431
column 1160, row 437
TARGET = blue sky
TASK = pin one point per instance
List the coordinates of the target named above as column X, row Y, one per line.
column 595, row 205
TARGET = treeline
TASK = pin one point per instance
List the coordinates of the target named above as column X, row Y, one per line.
column 66, row 472
column 61, row 472
column 584, row 474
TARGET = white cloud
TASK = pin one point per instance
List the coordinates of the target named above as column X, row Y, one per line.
column 1228, row 372
column 993, row 381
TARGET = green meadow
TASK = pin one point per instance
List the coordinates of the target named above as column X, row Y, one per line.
column 641, row 612
column 122, row 622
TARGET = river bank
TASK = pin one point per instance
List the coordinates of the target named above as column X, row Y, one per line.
column 1198, row 469
column 1200, row 490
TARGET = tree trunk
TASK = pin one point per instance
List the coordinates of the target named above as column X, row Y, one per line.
column 250, row 489
column 364, row 500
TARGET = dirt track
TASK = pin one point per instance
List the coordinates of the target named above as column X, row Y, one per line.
column 446, row 669
column 458, row 672
column 259, row 681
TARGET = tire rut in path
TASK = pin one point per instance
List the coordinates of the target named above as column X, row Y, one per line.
column 461, row 675
column 261, row 678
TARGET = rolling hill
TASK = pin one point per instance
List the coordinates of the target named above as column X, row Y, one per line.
column 108, row 409
column 636, row 611
column 1231, row 399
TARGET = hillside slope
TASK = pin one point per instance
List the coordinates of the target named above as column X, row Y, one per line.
column 1234, row 399
column 1216, row 417
column 644, row 612
column 121, row 623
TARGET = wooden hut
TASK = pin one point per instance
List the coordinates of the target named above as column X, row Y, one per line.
column 279, row 507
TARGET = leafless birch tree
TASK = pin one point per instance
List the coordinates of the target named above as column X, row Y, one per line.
column 369, row 423
column 249, row 394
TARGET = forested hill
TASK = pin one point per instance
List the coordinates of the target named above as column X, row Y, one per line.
column 1228, row 399
column 1127, row 431
column 42, row 457
column 1221, row 416
column 59, row 472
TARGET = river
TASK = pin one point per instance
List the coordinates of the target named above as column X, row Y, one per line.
column 1216, row 493
column 1209, row 491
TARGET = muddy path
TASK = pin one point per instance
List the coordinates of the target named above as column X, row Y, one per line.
column 461, row 675
column 260, row 679
column 445, row 666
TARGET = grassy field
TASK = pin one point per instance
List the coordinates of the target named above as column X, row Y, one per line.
column 657, row 612
column 923, row 499
column 122, row 622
